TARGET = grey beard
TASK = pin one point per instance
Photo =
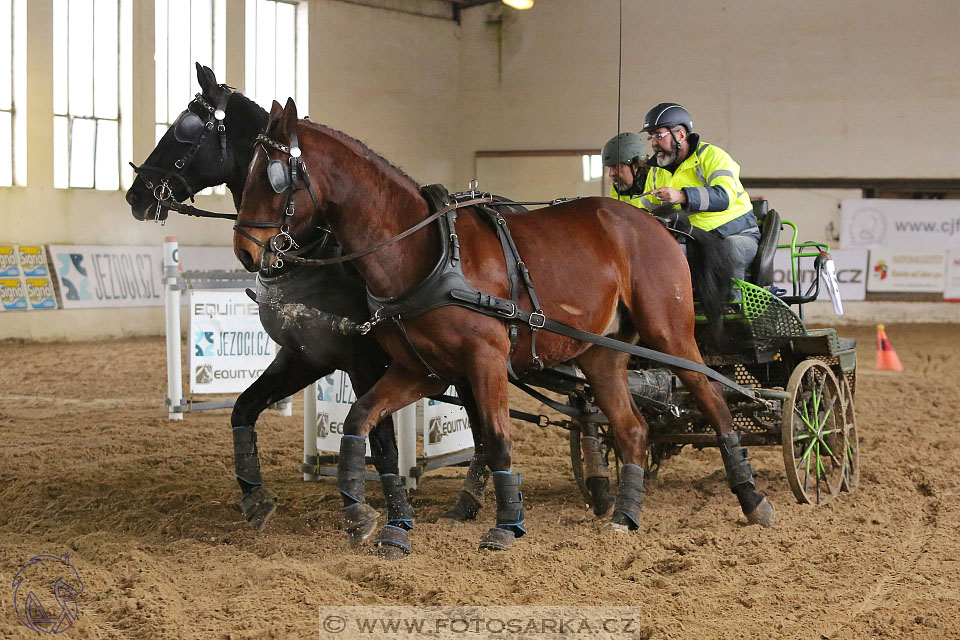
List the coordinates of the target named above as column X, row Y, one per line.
column 666, row 159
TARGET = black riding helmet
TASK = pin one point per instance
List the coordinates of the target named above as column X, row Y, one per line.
column 667, row 114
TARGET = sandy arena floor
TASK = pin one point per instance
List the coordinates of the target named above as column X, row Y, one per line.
column 90, row 465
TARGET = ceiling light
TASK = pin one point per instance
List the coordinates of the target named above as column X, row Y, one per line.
column 519, row 4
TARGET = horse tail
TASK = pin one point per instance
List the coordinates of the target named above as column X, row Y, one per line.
column 711, row 269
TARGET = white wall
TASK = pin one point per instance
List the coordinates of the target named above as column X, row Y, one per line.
column 812, row 89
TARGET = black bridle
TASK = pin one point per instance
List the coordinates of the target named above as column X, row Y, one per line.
column 188, row 128
column 290, row 176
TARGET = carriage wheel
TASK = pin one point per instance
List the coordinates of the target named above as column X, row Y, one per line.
column 851, row 471
column 813, row 433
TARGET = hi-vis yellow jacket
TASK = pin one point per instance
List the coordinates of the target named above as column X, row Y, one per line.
column 711, row 181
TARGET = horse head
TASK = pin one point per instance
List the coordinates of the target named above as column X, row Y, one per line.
column 196, row 152
column 280, row 198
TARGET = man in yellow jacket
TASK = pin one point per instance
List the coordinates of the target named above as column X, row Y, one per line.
column 700, row 178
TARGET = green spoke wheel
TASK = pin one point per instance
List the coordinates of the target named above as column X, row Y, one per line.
column 851, row 471
column 813, row 433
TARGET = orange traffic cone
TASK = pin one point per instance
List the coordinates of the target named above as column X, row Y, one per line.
column 886, row 357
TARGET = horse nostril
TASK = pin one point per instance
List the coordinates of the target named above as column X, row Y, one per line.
column 133, row 198
column 246, row 259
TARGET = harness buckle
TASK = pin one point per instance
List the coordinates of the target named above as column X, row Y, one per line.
column 179, row 163
column 537, row 320
column 508, row 312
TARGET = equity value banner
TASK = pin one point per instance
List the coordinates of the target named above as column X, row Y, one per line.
column 446, row 427
column 334, row 396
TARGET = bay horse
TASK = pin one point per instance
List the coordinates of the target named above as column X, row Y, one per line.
column 598, row 265
column 308, row 351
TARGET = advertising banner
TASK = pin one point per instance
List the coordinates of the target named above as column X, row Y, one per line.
column 26, row 278
column 334, row 397
column 446, row 427
column 95, row 276
column 904, row 270
column 928, row 225
column 228, row 348
column 951, row 291
column 851, row 273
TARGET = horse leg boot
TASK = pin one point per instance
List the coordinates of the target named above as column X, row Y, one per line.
column 359, row 518
column 510, row 517
column 740, row 478
column 470, row 499
column 257, row 502
column 596, row 475
column 626, row 509
column 393, row 541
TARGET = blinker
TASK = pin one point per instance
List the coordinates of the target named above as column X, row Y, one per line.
column 278, row 176
column 188, row 127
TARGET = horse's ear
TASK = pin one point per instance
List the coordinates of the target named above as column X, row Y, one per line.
column 207, row 79
column 275, row 110
column 289, row 115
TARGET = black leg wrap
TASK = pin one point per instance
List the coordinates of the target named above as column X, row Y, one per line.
column 400, row 513
column 626, row 509
column 735, row 461
column 471, row 496
column 350, row 469
column 509, row 502
column 740, row 478
column 246, row 458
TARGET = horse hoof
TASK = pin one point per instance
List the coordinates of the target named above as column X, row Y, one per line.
column 497, row 540
column 764, row 515
column 359, row 521
column 465, row 510
column 257, row 507
column 618, row 528
column 393, row 543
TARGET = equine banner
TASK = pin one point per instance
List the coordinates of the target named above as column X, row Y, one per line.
column 927, row 225
column 334, row 397
column 446, row 427
column 228, row 348
column 851, row 273
column 896, row 270
column 95, row 276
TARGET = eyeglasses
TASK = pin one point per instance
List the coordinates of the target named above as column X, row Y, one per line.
column 657, row 136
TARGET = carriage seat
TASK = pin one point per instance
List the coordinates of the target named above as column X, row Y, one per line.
column 761, row 270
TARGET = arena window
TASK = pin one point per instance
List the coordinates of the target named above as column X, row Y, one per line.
column 92, row 143
column 13, row 77
column 592, row 168
column 186, row 31
column 276, row 35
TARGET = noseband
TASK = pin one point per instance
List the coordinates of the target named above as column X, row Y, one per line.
column 291, row 177
column 187, row 128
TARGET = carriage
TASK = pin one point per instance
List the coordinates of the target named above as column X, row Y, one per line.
column 805, row 380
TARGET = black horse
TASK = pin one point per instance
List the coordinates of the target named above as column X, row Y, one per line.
column 212, row 143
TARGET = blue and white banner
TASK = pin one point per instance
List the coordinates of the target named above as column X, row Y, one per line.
column 228, row 347
column 94, row 276
column 927, row 225
column 335, row 395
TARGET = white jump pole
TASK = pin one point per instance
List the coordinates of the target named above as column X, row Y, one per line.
column 310, row 427
column 171, row 276
column 406, row 424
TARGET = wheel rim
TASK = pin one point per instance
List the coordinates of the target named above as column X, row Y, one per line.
column 813, row 433
column 851, row 470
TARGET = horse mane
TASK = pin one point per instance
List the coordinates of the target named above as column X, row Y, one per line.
column 364, row 151
column 248, row 127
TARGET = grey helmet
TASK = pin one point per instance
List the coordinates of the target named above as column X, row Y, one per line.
column 622, row 149
column 669, row 115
